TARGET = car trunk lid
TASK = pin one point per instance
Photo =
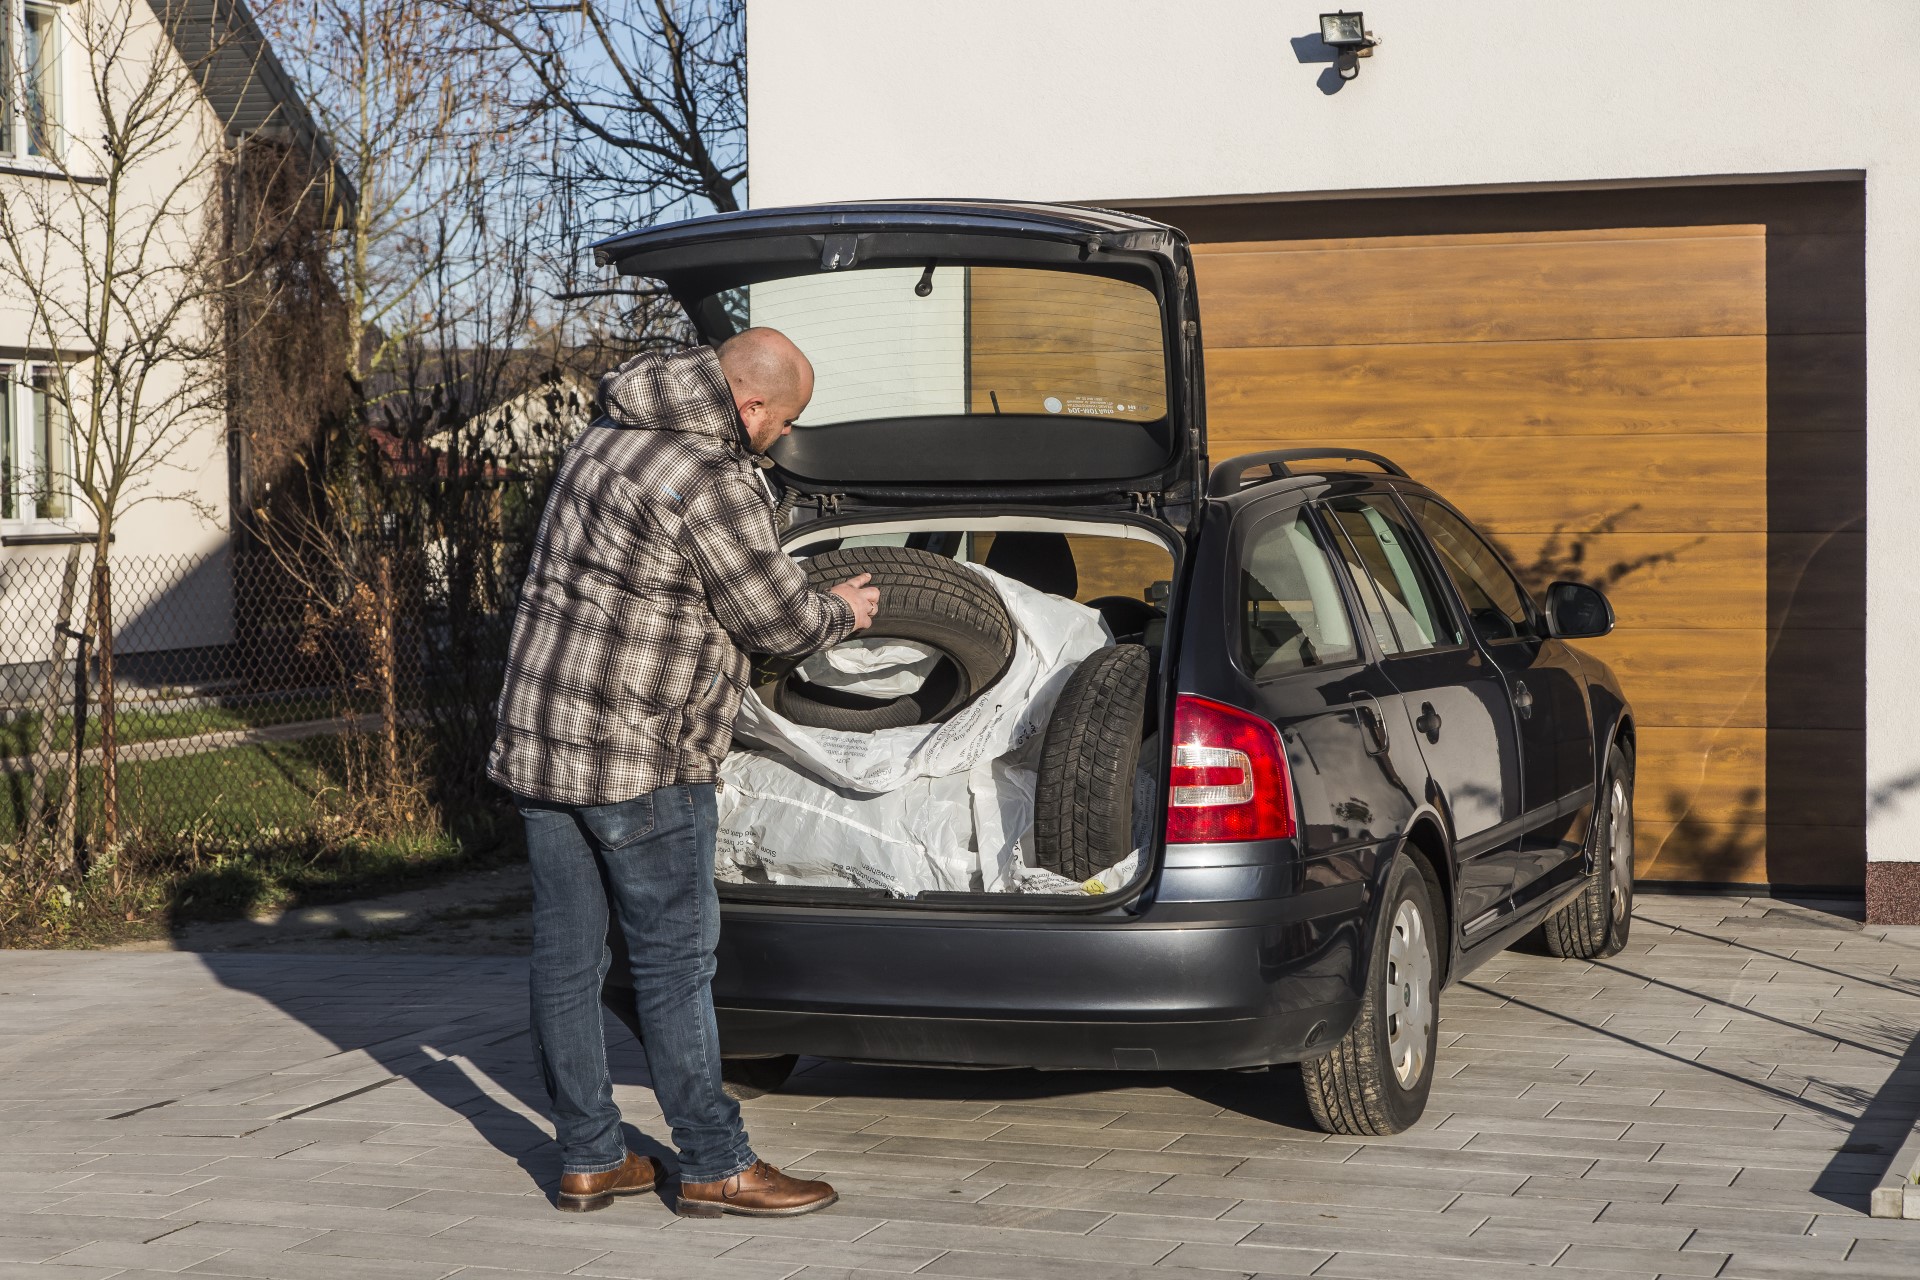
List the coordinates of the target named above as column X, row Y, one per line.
column 964, row 351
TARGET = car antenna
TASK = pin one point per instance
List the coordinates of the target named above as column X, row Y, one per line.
column 994, row 396
column 925, row 286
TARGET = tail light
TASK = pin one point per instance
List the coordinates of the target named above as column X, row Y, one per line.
column 1229, row 778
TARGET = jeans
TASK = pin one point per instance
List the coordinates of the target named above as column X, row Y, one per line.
column 651, row 858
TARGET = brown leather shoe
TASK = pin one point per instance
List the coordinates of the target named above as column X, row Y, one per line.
column 759, row 1191
column 585, row 1192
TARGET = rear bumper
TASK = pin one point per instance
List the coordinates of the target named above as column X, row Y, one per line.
column 1192, row 985
column 1052, row 1046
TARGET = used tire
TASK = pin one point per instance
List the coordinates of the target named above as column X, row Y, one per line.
column 1376, row 1079
column 925, row 598
column 1595, row 924
column 1083, row 800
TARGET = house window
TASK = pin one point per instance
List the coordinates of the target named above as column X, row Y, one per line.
column 41, row 82
column 8, row 475
column 52, row 450
column 36, row 447
column 30, row 76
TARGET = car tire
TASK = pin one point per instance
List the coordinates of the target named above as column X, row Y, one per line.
column 1083, row 798
column 1377, row 1077
column 1596, row 924
column 925, row 598
column 744, row 1079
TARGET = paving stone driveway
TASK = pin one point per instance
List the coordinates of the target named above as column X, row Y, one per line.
column 1715, row 1102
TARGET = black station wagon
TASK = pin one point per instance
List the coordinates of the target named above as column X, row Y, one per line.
column 1366, row 757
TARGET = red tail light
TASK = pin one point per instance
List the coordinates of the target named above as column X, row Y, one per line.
column 1229, row 778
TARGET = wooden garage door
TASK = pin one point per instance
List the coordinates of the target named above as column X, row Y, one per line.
column 1598, row 401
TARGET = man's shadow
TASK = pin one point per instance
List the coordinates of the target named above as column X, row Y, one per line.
column 453, row 1027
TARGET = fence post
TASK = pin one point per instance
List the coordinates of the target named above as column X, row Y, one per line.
column 389, row 694
column 109, row 765
column 43, row 750
column 66, row 836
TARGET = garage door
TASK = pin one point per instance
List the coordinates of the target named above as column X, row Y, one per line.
column 1598, row 400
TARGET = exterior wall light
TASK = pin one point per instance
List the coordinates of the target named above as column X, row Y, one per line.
column 1347, row 35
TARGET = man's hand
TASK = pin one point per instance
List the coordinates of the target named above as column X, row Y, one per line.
column 861, row 598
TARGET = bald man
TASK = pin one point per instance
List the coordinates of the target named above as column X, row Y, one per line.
column 656, row 571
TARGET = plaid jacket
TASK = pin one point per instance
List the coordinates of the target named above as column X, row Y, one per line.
column 657, row 565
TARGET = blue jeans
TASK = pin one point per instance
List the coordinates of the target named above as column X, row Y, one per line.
column 652, row 858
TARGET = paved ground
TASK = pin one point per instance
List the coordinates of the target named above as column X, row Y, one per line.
column 1717, row 1101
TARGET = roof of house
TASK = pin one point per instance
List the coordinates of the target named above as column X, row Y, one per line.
column 243, row 80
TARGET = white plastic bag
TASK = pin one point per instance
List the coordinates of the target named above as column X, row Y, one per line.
column 946, row 807
column 876, row 668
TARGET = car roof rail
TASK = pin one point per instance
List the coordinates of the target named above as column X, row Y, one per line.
column 1230, row 476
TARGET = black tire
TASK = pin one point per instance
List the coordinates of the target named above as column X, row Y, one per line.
column 1083, row 800
column 925, row 598
column 1596, row 924
column 1358, row 1088
column 744, row 1079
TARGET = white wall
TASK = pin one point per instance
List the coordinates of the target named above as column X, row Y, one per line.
column 177, row 507
column 1129, row 100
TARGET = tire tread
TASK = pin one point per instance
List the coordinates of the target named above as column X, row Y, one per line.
column 1083, row 799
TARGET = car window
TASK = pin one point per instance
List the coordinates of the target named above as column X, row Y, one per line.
column 1496, row 603
column 1291, row 614
column 1402, row 605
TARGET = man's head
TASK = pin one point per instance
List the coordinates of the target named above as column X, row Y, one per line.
column 771, row 381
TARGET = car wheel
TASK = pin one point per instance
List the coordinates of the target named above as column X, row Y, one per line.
column 1595, row 924
column 745, row 1079
column 1376, row 1079
column 1083, row 798
column 925, row 598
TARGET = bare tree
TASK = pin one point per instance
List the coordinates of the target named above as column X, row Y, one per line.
column 111, row 255
column 653, row 94
column 415, row 114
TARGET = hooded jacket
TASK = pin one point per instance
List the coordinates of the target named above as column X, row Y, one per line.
column 656, row 570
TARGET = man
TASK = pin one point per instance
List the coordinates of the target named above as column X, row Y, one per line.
column 656, row 568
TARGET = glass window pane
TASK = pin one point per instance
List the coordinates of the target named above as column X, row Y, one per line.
column 1495, row 601
column 894, row 342
column 9, row 478
column 52, row 452
column 42, row 45
column 1291, row 614
column 1387, row 567
column 6, row 79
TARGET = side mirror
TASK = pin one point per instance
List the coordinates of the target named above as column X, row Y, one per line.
column 1576, row 611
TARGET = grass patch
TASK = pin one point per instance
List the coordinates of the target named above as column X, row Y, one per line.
column 228, row 834
column 137, row 724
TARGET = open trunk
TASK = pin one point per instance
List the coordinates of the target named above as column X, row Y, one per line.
column 801, row 839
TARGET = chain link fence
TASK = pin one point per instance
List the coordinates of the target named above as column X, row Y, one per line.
column 246, row 701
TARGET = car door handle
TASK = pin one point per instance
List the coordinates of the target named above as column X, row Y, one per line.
column 1428, row 722
column 1376, row 727
column 1523, row 698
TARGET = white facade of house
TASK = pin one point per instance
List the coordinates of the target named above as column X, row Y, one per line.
column 1132, row 101
column 176, row 510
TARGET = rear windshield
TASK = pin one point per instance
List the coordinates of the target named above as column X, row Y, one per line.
column 892, row 342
